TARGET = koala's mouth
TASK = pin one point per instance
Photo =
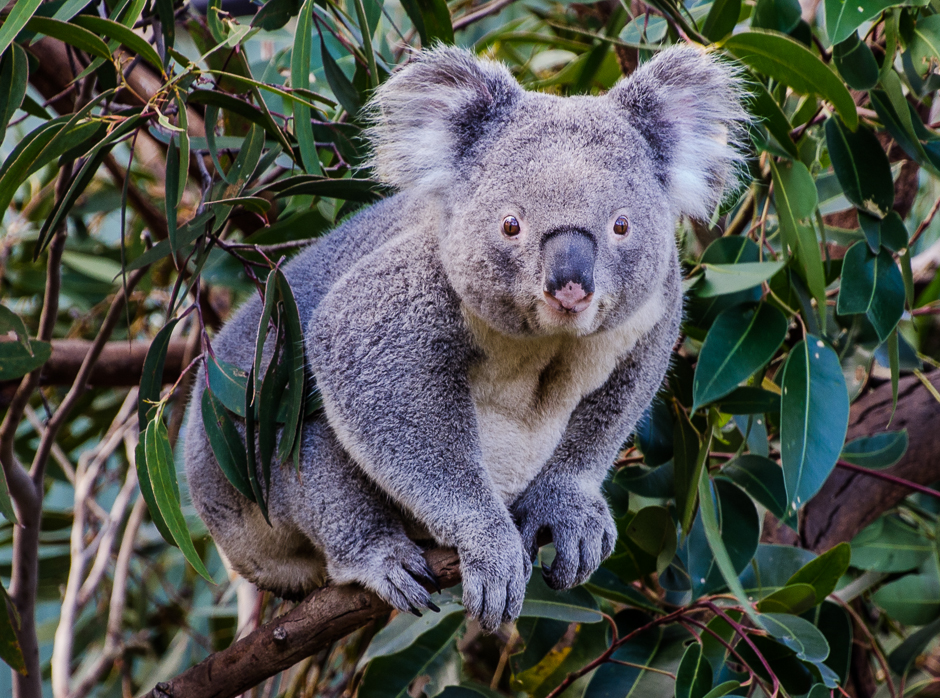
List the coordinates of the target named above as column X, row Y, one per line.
column 570, row 299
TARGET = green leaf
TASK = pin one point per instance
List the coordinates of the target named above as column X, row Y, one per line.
column 646, row 544
column 721, row 19
column 861, row 166
column 605, row 584
column 823, row 573
column 761, row 478
column 358, row 190
column 878, row 451
column 742, row 340
column 344, row 91
column 123, row 35
column 431, row 20
column 856, row 63
column 787, row 60
column 274, row 14
column 763, row 106
column 694, row 676
column 643, row 650
column 732, row 531
column 390, row 676
column 404, row 630
column 246, row 161
column 17, row 360
column 251, row 467
column 229, row 384
column 793, row 598
column 814, row 416
column 14, row 75
column 162, row 472
column 151, row 379
column 903, row 657
column 872, row 284
column 798, row 634
column 295, row 339
column 843, row 17
column 71, row 34
column 780, row 15
column 925, row 43
column 93, row 266
column 794, row 675
column 20, row 13
column 572, row 606
column 750, row 400
column 890, row 545
column 772, row 567
column 10, row 651
column 723, row 689
column 688, row 468
column 300, row 79
column 731, row 278
column 227, row 446
column 911, row 600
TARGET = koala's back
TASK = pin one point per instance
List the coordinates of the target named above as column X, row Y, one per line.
column 252, row 546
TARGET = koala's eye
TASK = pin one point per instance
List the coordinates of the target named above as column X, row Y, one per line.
column 621, row 225
column 511, row 226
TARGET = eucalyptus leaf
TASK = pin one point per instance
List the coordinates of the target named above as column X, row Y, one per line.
column 877, row 451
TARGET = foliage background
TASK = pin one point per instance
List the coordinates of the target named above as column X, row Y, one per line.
column 812, row 286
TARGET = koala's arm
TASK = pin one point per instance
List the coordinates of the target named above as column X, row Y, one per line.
column 390, row 352
column 566, row 495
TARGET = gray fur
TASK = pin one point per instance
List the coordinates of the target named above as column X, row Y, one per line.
column 460, row 407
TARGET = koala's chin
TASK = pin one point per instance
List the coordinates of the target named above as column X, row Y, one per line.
column 482, row 353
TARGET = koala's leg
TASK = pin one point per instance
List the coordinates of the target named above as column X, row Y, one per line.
column 565, row 497
column 346, row 517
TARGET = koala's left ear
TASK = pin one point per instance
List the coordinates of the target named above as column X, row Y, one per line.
column 687, row 105
column 429, row 115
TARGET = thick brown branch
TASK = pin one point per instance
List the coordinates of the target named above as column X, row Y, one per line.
column 849, row 500
column 325, row 616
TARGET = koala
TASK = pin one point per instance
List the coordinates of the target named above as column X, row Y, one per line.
column 486, row 338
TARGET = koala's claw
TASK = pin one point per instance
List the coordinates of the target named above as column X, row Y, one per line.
column 582, row 529
column 494, row 580
column 396, row 570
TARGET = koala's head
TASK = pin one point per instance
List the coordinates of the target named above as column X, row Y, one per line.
column 559, row 213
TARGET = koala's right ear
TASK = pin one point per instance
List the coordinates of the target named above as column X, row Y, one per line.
column 429, row 114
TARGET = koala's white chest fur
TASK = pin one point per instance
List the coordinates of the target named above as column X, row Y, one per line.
column 525, row 389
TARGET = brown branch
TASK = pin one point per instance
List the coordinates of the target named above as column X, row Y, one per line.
column 850, row 500
column 325, row 616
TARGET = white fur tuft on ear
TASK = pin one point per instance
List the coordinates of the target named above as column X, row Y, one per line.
column 432, row 112
column 688, row 106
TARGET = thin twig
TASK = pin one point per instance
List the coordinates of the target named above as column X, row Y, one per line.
column 845, row 465
column 477, row 15
column 924, row 223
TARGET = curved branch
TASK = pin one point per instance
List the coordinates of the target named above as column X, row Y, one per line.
column 325, row 616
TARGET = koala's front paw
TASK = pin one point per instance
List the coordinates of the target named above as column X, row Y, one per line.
column 495, row 571
column 582, row 529
column 394, row 568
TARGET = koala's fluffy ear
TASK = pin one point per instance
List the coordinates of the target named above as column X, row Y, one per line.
column 688, row 107
column 429, row 114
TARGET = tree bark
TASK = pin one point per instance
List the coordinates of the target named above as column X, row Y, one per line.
column 849, row 501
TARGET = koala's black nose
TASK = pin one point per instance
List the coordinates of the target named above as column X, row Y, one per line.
column 568, row 269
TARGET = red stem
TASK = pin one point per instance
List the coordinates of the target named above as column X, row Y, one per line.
column 888, row 478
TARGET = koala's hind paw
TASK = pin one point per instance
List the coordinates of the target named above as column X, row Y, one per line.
column 495, row 574
column 582, row 529
column 396, row 570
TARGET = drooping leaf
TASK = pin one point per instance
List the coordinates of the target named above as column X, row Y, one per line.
column 20, row 14
column 787, row 60
column 404, row 630
column 694, row 676
column 793, row 598
column 862, row 167
column 227, row 445
column 912, row 600
column 300, row 79
column 343, row 89
column 814, row 414
column 14, row 75
column 761, row 478
column 878, row 451
column 70, row 33
column 296, row 390
column 741, row 341
column 902, row 658
column 798, row 634
column 10, row 651
column 721, row 19
column 765, row 108
column 121, row 34
column 688, row 468
column 162, row 472
column 228, row 383
column 646, row 544
column 431, row 20
column 274, row 14
column 872, row 284
column 856, row 63
column 780, row 15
